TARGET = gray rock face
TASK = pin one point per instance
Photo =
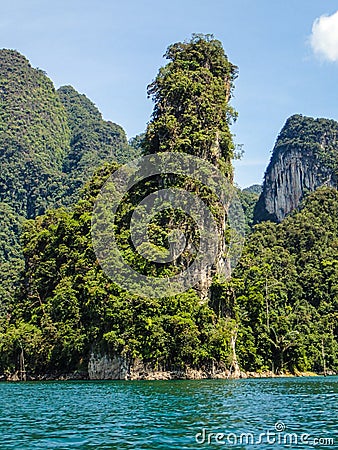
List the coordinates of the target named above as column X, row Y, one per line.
column 105, row 367
column 304, row 158
column 290, row 177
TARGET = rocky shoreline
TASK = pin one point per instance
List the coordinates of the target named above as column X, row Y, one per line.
column 158, row 376
column 119, row 368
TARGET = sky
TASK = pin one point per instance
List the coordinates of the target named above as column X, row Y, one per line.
column 286, row 52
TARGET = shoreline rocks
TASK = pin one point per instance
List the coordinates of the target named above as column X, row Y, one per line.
column 104, row 367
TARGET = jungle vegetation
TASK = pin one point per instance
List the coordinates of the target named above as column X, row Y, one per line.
column 57, row 304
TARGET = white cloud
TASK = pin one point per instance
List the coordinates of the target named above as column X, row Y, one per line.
column 324, row 37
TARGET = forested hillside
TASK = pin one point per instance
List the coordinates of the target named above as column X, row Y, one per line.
column 60, row 311
column 303, row 159
column 249, row 197
column 286, row 290
column 74, row 308
column 50, row 141
column 66, row 307
column 34, row 137
column 50, row 144
column 92, row 142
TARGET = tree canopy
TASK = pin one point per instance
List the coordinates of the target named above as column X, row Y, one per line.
column 278, row 312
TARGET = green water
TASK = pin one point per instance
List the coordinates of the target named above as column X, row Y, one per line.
column 169, row 415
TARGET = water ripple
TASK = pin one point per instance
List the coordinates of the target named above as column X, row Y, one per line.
column 166, row 415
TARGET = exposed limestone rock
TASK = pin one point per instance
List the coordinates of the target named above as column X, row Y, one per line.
column 14, row 377
column 304, row 158
column 103, row 367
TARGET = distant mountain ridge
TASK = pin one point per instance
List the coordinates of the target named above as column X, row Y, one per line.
column 93, row 141
column 34, row 136
column 253, row 189
column 50, row 141
column 50, row 144
column 304, row 158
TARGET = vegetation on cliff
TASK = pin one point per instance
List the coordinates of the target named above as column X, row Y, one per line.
column 66, row 306
column 50, row 144
column 69, row 303
column 304, row 158
column 286, row 290
column 279, row 310
column 192, row 113
column 93, row 141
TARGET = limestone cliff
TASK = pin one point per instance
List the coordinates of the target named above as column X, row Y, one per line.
column 116, row 367
column 304, row 158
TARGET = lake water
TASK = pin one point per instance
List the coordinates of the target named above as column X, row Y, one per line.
column 236, row 414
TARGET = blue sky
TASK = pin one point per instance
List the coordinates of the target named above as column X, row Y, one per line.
column 111, row 50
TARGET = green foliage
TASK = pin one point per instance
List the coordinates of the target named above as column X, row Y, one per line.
column 50, row 144
column 11, row 262
column 248, row 198
column 286, row 290
column 19, row 339
column 191, row 95
column 316, row 141
column 136, row 142
column 93, row 142
column 75, row 308
column 282, row 301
